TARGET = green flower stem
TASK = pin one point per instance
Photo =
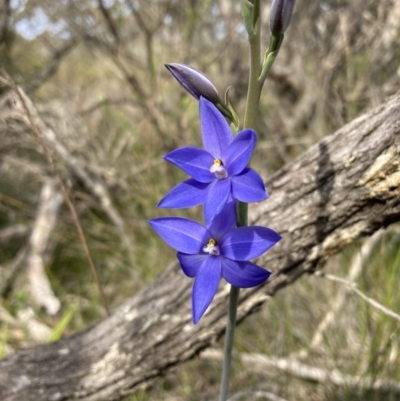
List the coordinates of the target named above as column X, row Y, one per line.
column 257, row 76
column 229, row 335
column 255, row 85
column 231, row 323
column 242, row 214
column 253, row 100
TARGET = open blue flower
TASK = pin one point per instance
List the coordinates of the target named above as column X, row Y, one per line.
column 219, row 170
column 218, row 250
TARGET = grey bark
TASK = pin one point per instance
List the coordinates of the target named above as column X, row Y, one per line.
column 343, row 188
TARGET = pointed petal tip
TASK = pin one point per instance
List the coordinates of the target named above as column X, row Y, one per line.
column 151, row 223
column 205, row 286
column 195, row 320
column 186, row 194
column 161, row 203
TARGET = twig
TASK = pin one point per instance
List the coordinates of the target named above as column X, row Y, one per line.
column 38, row 331
column 25, row 110
column 15, row 267
column 49, row 204
column 46, row 72
column 6, row 317
column 353, row 287
column 253, row 395
column 110, row 23
column 18, row 230
column 302, row 371
column 96, row 187
column 356, row 268
column 4, row 18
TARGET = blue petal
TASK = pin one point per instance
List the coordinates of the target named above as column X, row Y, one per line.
column 243, row 274
column 240, row 151
column 245, row 243
column 193, row 161
column 224, row 221
column 217, row 196
column 190, row 263
column 182, row 234
column 188, row 193
column 205, row 286
column 248, row 187
column 217, row 135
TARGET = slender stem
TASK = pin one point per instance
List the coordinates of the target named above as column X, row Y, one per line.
column 257, row 77
column 231, row 323
column 253, row 100
column 229, row 335
column 254, row 89
column 242, row 214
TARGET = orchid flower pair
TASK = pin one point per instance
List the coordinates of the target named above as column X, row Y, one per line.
column 220, row 176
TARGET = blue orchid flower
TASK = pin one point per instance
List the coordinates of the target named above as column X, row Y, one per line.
column 219, row 170
column 218, row 250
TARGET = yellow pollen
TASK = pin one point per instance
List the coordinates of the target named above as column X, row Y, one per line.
column 212, row 242
column 217, row 163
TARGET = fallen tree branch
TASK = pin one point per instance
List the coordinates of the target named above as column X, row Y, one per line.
column 345, row 187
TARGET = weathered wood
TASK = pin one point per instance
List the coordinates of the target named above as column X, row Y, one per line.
column 344, row 187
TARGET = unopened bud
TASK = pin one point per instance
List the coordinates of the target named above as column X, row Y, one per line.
column 281, row 13
column 194, row 81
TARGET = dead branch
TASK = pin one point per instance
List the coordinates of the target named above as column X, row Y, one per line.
column 4, row 16
column 49, row 204
column 46, row 72
column 259, row 362
column 15, row 231
column 110, row 23
column 352, row 286
column 255, row 395
column 344, row 187
column 38, row 331
column 356, row 268
column 13, row 269
column 24, row 106
column 95, row 186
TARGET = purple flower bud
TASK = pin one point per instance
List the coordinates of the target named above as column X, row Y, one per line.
column 281, row 13
column 194, row 81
